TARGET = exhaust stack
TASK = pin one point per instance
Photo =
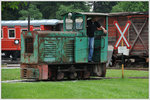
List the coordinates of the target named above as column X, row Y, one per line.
column 28, row 23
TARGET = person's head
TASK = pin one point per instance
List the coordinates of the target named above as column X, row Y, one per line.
column 95, row 18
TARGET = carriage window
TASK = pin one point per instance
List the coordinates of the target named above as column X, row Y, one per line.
column 29, row 45
column 1, row 33
column 23, row 30
column 11, row 33
column 79, row 22
column 69, row 23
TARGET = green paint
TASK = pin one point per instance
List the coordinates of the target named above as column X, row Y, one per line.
column 31, row 58
column 56, row 49
column 81, row 49
column 65, row 47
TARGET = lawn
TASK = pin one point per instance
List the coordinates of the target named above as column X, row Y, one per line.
column 81, row 89
column 10, row 74
column 14, row 74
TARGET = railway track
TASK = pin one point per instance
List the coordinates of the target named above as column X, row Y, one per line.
column 97, row 78
column 142, row 69
column 10, row 61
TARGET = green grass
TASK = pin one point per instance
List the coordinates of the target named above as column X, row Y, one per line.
column 127, row 73
column 81, row 89
column 106, row 88
column 14, row 74
column 10, row 74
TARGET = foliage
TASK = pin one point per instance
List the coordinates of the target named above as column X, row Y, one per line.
column 56, row 9
column 32, row 11
column 12, row 5
column 65, row 9
column 79, row 89
column 103, row 7
column 10, row 9
column 49, row 10
column 131, row 7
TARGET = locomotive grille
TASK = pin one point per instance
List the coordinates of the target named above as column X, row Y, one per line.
column 29, row 45
column 50, row 48
column 69, row 48
column 24, row 73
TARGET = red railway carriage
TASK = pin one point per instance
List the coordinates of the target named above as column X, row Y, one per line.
column 11, row 31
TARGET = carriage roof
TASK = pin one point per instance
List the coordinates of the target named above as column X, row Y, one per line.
column 12, row 23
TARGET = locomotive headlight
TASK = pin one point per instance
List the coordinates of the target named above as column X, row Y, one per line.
column 16, row 41
column 69, row 15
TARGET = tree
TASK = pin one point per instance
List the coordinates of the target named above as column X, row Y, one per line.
column 56, row 9
column 65, row 9
column 10, row 9
column 103, row 7
column 32, row 11
column 131, row 7
column 38, row 10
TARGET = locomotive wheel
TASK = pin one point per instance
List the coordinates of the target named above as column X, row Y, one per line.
column 80, row 75
column 100, row 70
column 103, row 70
column 60, row 76
column 73, row 75
column 97, row 70
column 86, row 74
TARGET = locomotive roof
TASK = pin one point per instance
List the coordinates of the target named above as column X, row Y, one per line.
column 12, row 23
column 110, row 14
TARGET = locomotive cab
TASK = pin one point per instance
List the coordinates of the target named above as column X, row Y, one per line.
column 78, row 22
column 51, row 55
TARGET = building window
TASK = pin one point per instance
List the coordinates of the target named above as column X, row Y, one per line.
column 11, row 33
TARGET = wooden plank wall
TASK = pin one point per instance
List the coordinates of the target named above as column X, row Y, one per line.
column 138, row 21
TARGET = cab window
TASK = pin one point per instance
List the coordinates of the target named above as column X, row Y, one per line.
column 79, row 22
column 69, row 23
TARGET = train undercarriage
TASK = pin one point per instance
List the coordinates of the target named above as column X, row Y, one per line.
column 60, row 72
column 13, row 54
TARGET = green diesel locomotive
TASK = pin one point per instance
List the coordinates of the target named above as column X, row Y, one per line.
column 56, row 55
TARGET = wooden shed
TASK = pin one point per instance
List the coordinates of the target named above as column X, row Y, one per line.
column 137, row 35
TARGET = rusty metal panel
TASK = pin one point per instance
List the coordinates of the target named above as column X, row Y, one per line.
column 81, row 49
column 29, row 72
column 56, row 49
column 50, row 49
column 29, row 47
column 43, row 72
column 68, row 50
